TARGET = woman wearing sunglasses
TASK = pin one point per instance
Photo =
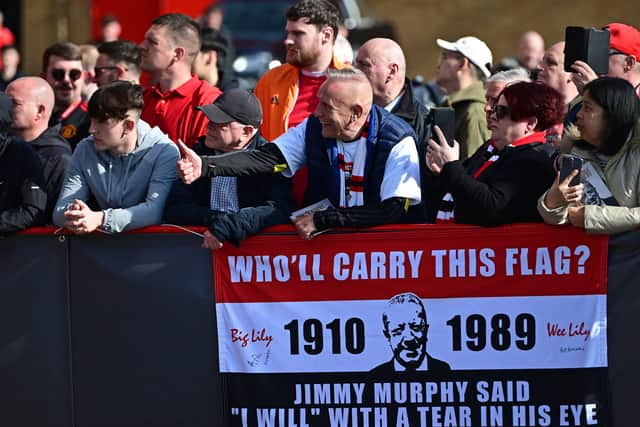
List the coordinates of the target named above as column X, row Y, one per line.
column 607, row 200
column 501, row 182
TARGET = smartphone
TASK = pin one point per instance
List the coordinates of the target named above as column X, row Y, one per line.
column 445, row 119
column 568, row 164
column 588, row 45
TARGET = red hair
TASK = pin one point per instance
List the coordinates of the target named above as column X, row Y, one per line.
column 529, row 99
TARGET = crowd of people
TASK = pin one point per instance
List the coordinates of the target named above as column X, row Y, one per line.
column 327, row 139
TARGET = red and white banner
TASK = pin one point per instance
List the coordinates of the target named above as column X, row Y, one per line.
column 520, row 305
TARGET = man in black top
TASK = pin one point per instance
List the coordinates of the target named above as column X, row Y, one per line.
column 33, row 101
column 62, row 69
column 22, row 199
column 382, row 61
column 233, row 208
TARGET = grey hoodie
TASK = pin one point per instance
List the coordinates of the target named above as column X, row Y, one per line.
column 131, row 189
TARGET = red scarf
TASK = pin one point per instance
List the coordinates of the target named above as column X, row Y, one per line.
column 447, row 205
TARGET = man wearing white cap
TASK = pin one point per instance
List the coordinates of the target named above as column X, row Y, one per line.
column 461, row 71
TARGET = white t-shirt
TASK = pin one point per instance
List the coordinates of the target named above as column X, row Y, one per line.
column 401, row 173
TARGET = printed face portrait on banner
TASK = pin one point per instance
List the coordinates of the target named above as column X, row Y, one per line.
column 405, row 326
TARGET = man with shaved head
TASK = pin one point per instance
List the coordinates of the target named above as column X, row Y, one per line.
column 551, row 72
column 346, row 136
column 33, row 102
column 168, row 50
column 383, row 62
column 528, row 56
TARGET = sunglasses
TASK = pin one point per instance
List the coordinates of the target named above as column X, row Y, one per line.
column 500, row 111
column 58, row 74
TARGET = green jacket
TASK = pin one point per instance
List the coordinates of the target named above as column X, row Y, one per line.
column 471, row 121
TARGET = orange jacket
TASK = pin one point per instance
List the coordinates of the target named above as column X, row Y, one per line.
column 277, row 91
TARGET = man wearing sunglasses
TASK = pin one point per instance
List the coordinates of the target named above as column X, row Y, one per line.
column 62, row 69
column 118, row 60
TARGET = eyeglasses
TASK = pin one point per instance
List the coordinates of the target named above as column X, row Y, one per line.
column 58, row 74
column 500, row 111
column 616, row 52
column 100, row 70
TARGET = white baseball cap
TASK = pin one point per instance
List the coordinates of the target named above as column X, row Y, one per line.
column 474, row 49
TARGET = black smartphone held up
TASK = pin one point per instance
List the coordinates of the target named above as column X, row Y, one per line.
column 588, row 45
column 568, row 164
column 444, row 118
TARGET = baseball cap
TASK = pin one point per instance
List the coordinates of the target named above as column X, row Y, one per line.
column 234, row 105
column 474, row 49
column 624, row 38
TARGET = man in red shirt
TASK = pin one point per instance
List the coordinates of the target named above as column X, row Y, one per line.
column 169, row 48
column 288, row 93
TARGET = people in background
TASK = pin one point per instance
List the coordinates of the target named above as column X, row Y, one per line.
column 89, row 57
column 117, row 60
column 528, row 56
column 463, row 67
column 110, row 29
column 288, row 93
column 10, row 65
column 211, row 63
column 168, row 50
column 62, row 69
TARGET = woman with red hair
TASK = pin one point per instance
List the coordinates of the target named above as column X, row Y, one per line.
column 501, row 182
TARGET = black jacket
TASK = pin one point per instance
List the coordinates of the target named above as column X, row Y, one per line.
column 264, row 200
column 506, row 192
column 417, row 116
column 22, row 197
column 55, row 155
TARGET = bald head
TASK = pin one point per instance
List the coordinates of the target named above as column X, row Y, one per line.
column 530, row 50
column 383, row 62
column 551, row 72
column 33, row 101
column 345, row 100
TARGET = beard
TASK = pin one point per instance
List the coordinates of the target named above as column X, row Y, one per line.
column 302, row 59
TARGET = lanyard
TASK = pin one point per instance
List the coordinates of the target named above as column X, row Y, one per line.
column 66, row 113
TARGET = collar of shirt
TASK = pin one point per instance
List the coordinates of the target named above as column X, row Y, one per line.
column 424, row 366
column 182, row 91
column 390, row 106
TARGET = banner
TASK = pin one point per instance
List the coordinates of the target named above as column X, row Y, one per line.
column 446, row 326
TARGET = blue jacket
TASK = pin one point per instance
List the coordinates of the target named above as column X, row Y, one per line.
column 131, row 189
column 385, row 131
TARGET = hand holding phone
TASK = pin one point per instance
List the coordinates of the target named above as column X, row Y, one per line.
column 568, row 164
column 444, row 118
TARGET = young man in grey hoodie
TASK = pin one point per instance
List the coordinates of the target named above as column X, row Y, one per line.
column 125, row 166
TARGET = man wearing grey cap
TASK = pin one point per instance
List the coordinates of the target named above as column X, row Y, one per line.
column 463, row 67
column 232, row 207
